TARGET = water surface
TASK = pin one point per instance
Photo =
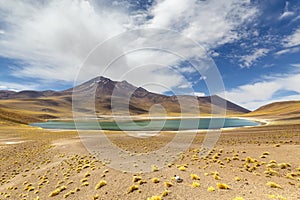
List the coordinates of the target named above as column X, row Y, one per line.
column 149, row 125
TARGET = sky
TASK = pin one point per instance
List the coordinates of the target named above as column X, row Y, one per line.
column 163, row 46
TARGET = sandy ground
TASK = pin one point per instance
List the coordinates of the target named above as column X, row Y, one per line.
column 39, row 164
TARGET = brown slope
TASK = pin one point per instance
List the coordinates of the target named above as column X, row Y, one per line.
column 39, row 108
column 104, row 95
column 283, row 110
column 28, row 94
column 122, row 95
column 10, row 115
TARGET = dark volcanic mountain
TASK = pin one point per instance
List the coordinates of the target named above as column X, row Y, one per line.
column 120, row 97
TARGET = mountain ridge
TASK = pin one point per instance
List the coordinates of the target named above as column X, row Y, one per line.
column 111, row 96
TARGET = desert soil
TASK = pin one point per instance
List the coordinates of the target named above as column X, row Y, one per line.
column 255, row 163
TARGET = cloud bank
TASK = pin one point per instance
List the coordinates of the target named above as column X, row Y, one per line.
column 52, row 38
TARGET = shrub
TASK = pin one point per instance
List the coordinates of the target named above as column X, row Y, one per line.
column 222, row 186
column 273, row 185
column 133, row 188
column 100, row 184
column 195, row 177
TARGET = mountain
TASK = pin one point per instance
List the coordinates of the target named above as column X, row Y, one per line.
column 113, row 93
column 111, row 96
column 282, row 110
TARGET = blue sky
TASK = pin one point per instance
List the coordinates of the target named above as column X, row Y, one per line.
column 254, row 44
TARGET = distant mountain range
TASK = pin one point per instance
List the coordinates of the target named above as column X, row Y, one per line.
column 122, row 95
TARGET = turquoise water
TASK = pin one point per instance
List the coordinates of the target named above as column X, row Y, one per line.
column 147, row 125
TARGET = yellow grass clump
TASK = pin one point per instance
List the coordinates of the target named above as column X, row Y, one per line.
column 238, row 198
column 141, row 182
column 83, row 180
column 57, row 191
column 155, row 180
column 168, row 184
column 290, row 176
column 211, row 189
column 133, row 188
column 85, row 184
column 154, row 198
column 222, row 186
column 273, row 185
column 154, row 168
column 195, row 184
column 165, row 193
column 250, row 160
column 279, row 197
column 217, row 177
column 263, row 156
column 182, row 168
column 96, row 197
column 136, row 178
column 87, row 174
column 195, row 177
column 284, row 165
column 270, row 172
column 100, row 184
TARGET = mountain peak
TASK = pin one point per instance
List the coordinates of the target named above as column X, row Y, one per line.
column 141, row 100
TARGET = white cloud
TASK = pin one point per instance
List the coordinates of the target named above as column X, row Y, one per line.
column 52, row 38
column 293, row 39
column 211, row 23
column 199, row 94
column 203, row 78
column 254, row 95
column 248, row 60
column 296, row 64
column 286, row 13
column 17, row 87
column 289, row 50
column 290, row 43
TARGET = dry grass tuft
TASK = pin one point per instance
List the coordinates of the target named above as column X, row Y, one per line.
column 195, row 184
column 195, row 177
column 57, row 191
column 238, row 198
column 223, row 186
column 155, row 180
column 168, row 184
column 133, row 188
column 211, row 189
column 154, row 168
column 141, row 182
column 154, row 198
column 273, row 185
column 136, row 178
column 165, row 193
column 182, row 168
column 54, row 193
column 100, row 184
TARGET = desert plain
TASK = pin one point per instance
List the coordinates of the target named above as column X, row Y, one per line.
column 261, row 162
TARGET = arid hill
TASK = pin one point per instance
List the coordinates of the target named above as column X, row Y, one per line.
column 289, row 110
column 104, row 96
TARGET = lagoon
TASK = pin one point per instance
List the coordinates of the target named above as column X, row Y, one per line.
column 149, row 125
